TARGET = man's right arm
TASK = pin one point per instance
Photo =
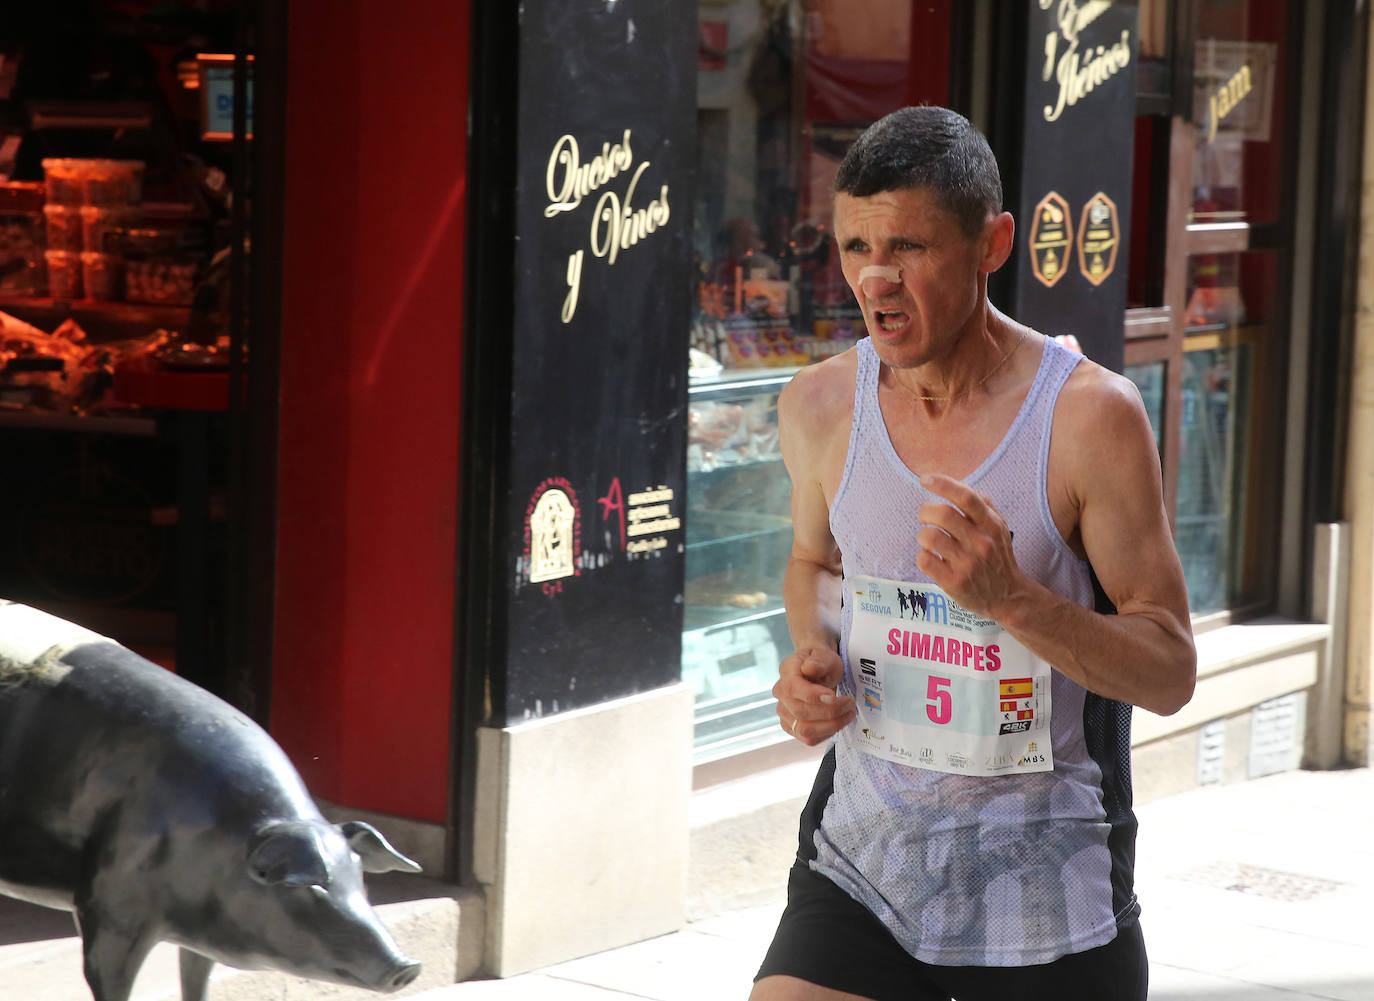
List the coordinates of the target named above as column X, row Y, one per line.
column 808, row 707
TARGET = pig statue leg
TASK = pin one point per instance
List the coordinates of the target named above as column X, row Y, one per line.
column 195, row 975
column 112, row 954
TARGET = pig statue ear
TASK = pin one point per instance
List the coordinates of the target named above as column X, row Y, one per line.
column 289, row 854
column 374, row 850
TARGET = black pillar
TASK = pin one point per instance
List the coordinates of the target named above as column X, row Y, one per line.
column 1070, row 168
column 574, row 493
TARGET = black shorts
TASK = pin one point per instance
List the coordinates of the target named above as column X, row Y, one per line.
column 829, row 939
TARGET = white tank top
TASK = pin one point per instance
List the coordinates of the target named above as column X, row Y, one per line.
column 1008, row 870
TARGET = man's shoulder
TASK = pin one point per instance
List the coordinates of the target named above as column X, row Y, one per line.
column 825, row 382
column 1101, row 423
column 1093, row 392
column 819, row 399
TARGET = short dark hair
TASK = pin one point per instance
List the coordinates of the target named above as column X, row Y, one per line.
column 926, row 147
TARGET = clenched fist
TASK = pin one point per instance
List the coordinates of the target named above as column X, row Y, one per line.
column 808, row 707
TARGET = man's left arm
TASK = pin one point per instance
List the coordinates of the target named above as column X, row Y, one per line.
column 1110, row 475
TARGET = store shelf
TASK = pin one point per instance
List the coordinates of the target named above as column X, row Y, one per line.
column 733, row 424
column 734, row 384
column 772, row 459
column 47, row 314
column 713, row 528
column 707, row 617
column 733, row 726
column 144, row 427
column 739, row 535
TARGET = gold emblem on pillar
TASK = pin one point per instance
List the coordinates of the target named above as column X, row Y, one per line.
column 551, row 537
column 1051, row 236
column 1099, row 237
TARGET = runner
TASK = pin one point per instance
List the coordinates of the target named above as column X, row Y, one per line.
column 970, row 833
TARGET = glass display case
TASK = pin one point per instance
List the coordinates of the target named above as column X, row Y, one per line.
column 739, row 532
column 783, row 89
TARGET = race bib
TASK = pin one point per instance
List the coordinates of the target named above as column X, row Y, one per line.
column 939, row 687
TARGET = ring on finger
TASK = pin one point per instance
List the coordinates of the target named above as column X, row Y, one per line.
column 795, row 721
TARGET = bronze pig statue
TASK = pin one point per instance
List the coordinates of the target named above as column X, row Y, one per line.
column 157, row 812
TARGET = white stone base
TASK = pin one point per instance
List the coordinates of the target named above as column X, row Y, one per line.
column 581, row 829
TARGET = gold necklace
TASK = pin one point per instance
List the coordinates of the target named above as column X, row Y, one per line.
column 988, row 375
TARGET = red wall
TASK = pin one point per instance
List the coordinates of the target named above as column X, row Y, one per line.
column 369, row 435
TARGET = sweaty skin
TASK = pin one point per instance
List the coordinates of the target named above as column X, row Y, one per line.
column 938, row 337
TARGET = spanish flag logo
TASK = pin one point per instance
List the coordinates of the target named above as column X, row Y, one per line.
column 1017, row 704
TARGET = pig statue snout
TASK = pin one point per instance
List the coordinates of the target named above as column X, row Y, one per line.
column 307, row 900
column 404, row 978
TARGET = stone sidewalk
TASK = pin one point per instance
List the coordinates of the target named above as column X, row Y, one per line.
column 1256, row 891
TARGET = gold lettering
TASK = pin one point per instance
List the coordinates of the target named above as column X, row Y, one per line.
column 567, row 180
column 574, row 285
column 1077, row 80
column 1227, row 96
column 616, row 224
column 607, row 211
column 564, row 154
column 650, row 527
column 1073, row 19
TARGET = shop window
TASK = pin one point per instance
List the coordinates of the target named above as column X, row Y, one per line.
column 783, row 88
column 1210, row 267
column 118, row 262
column 1154, row 66
column 1226, row 429
column 1238, row 73
column 1149, row 218
column 1149, row 379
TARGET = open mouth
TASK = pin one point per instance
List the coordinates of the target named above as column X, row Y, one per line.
column 890, row 319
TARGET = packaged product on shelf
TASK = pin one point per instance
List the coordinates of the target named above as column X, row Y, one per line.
column 727, row 589
column 63, row 179
column 743, row 346
column 102, row 227
column 806, row 350
column 711, row 299
column 765, row 297
column 21, row 253
column 64, row 274
column 160, row 282
column 22, row 196
column 698, row 459
column 730, row 434
column 716, row 425
column 23, row 238
column 113, row 182
column 64, row 227
column 781, row 348
column 843, row 323
column 65, row 371
column 701, row 365
column 102, row 275
column 160, row 264
column 78, row 181
column 40, row 370
column 148, row 240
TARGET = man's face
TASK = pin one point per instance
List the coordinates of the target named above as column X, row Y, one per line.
column 920, row 316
